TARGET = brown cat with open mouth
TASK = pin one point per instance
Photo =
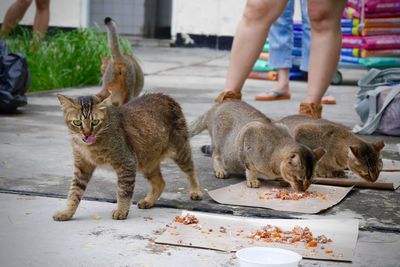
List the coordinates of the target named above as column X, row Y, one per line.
column 137, row 136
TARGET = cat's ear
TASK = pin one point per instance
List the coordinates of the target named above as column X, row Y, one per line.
column 318, row 153
column 294, row 159
column 65, row 102
column 105, row 103
column 378, row 145
column 355, row 150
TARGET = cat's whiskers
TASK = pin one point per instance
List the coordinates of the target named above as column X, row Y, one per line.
column 103, row 130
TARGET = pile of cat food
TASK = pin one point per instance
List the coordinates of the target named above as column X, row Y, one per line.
column 187, row 219
column 275, row 234
column 284, row 194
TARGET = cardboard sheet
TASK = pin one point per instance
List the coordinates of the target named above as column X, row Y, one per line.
column 241, row 195
column 391, row 165
column 342, row 232
column 386, row 181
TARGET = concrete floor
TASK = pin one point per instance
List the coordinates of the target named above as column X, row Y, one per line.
column 35, row 159
column 29, row 237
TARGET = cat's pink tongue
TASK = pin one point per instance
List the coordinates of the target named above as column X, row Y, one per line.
column 91, row 139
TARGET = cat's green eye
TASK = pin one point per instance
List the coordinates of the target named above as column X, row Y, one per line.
column 77, row 122
column 95, row 122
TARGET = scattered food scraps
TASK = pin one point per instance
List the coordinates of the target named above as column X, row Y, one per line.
column 239, row 232
column 187, row 219
column 275, row 234
column 222, row 229
column 284, row 194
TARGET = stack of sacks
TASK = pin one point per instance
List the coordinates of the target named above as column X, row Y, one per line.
column 263, row 71
column 375, row 42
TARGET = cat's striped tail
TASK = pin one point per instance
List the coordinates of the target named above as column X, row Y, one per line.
column 113, row 38
column 198, row 125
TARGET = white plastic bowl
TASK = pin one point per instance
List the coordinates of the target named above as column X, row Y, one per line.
column 267, row 257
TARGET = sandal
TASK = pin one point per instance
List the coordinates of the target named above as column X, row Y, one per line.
column 228, row 95
column 273, row 95
column 310, row 109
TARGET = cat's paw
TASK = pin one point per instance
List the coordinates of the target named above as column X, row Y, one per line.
column 221, row 174
column 62, row 216
column 324, row 174
column 196, row 195
column 144, row 204
column 120, row 214
column 253, row 183
column 339, row 173
column 284, row 183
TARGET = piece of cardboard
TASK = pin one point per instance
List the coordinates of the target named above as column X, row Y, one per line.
column 390, row 165
column 241, row 195
column 386, row 181
column 342, row 232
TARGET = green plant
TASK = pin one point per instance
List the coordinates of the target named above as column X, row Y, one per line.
column 65, row 59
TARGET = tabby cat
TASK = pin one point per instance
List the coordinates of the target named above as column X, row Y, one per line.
column 245, row 141
column 135, row 136
column 122, row 75
column 343, row 148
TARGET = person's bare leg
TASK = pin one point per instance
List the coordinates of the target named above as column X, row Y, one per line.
column 13, row 15
column 249, row 39
column 42, row 16
column 326, row 41
column 283, row 81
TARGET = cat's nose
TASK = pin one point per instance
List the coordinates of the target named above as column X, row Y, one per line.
column 86, row 132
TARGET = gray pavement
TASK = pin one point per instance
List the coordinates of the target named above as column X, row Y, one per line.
column 29, row 237
column 35, row 159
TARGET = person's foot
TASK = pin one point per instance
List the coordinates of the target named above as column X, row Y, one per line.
column 273, row 95
column 225, row 95
column 328, row 100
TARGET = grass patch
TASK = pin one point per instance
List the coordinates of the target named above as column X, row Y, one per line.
column 64, row 59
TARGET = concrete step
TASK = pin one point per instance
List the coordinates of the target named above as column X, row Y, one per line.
column 138, row 41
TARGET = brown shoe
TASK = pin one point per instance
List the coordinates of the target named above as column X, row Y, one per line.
column 228, row 95
column 310, row 109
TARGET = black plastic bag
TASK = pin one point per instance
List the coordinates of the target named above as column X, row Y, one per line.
column 14, row 79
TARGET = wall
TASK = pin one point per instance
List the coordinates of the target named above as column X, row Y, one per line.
column 209, row 17
column 129, row 14
column 63, row 13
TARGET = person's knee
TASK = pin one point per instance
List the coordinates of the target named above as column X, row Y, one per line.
column 256, row 10
column 321, row 18
column 24, row 3
column 42, row 4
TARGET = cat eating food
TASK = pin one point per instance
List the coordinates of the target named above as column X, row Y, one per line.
column 122, row 75
column 245, row 141
column 134, row 137
column 343, row 148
